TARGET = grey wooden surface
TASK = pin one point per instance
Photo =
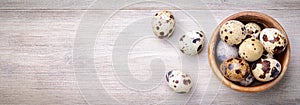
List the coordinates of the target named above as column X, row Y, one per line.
column 37, row 39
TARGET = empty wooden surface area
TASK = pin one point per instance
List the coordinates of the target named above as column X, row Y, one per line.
column 45, row 57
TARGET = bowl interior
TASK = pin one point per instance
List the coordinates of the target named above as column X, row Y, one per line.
column 265, row 22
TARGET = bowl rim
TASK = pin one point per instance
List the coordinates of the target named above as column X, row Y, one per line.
column 215, row 68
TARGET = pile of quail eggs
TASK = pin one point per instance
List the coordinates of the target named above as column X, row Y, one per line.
column 191, row 43
column 247, row 52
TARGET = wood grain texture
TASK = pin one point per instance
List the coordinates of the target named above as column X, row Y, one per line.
column 36, row 50
column 116, row 4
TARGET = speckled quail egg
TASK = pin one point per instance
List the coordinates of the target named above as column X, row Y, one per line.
column 192, row 43
column 252, row 30
column 251, row 49
column 179, row 81
column 225, row 51
column 235, row 69
column 247, row 81
column 233, row 32
column 163, row 24
column 273, row 40
column 266, row 69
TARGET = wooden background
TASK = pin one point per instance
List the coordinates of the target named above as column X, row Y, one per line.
column 37, row 42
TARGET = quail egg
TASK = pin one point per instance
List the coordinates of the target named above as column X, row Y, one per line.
column 179, row 81
column 247, row 81
column 251, row 49
column 252, row 30
column 273, row 40
column 225, row 51
column 266, row 69
column 163, row 24
column 233, row 32
column 266, row 55
column 235, row 69
column 192, row 42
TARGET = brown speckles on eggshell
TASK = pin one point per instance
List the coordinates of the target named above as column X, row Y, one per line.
column 167, row 78
column 274, row 72
column 199, row 34
column 187, row 81
column 183, row 76
column 181, row 39
column 284, row 40
column 277, row 65
column 250, row 32
column 262, row 76
column 266, row 66
column 265, row 37
column 171, row 30
column 243, row 28
column 226, row 37
column 238, row 71
column 182, row 50
column 195, row 40
column 248, row 36
column 161, row 33
column 276, row 39
column 229, row 60
column 176, row 81
column 171, row 16
column 199, row 48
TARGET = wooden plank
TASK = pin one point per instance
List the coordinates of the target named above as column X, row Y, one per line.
column 44, row 4
column 36, row 56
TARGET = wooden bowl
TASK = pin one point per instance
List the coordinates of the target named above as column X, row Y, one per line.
column 264, row 21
